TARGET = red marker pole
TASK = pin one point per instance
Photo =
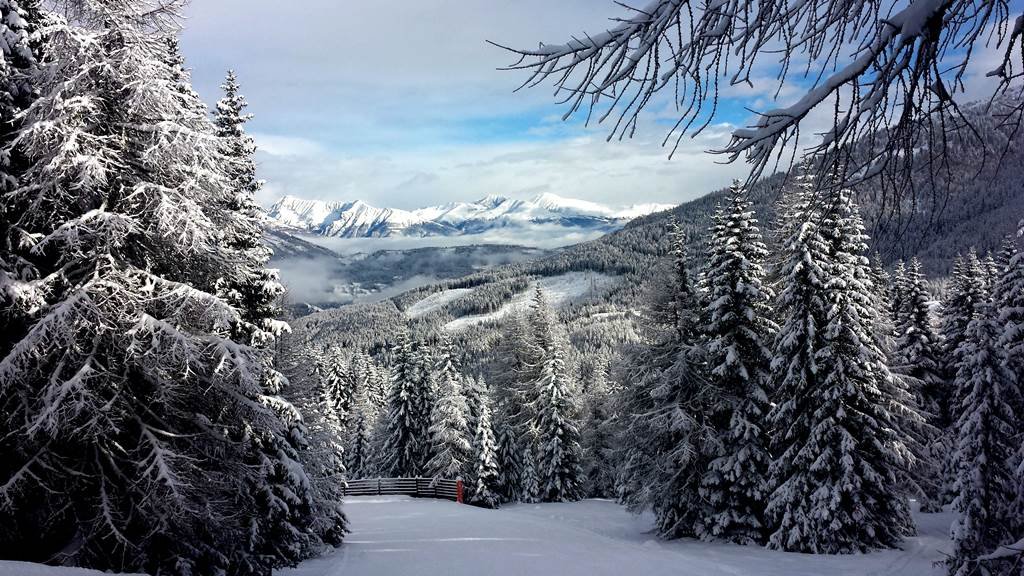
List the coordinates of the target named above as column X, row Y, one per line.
column 458, row 491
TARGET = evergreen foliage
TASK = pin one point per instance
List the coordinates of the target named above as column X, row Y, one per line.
column 559, row 463
column 150, row 426
column 739, row 332
column 664, row 400
column 988, row 435
column 486, row 476
column 450, row 437
column 837, row 455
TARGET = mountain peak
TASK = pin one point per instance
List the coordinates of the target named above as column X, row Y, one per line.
column 359, row 219
column 491, row 200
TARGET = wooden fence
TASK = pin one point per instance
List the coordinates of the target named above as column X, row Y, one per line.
column 419, row 487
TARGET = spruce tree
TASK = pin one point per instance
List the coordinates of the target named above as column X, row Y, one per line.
column 340, row 391
column 918, row 347
column 18, row 67
column 450, row 437
column 837, row 455
column 253, row 289
column 599, row 434
column 898, row 295
column 739, row 332
column 402, row 449
column 559, row 459
column 530, row 484
column 509, row 455
column 988, row 437
column 425, row 372
column 486, row 475
column 1008, row 297
column 917, row 360
column 664, row 402
column 156, row 425
column 967, row 290
column 358, row 452
column 475, row 391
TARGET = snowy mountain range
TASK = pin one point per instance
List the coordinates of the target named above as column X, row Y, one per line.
column 358, row 219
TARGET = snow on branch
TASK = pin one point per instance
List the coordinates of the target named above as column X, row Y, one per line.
column 888, row 74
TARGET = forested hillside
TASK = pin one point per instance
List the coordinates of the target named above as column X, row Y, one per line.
column 976, row 208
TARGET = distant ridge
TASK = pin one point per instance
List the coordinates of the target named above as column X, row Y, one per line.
column 358, row 219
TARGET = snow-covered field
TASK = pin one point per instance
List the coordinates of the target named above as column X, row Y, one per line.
column 397, row 535
column 559, row 290
column 436, row 301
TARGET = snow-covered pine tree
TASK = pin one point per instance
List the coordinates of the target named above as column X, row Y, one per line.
column 425, row 373
column 599, row 433
column 140, row 414
column 918, row 348
column 988, row 437
column 450, row 438
column 898, row 295
column 486, row 475
column 837, row 455
column 559, row 454
column 373, row 378
column 252, row 288
column 967, row 289
column 1008, row 297
column 917, row 360
column 530, row 478
column 883, row 293
column 321, row 444
column 340, row 389
column 993, row 270
column 475, row 391
column 18, row 66
column 402, row 450
column 509, row 455
column 359, row 450
column 739, row 333
column 664, row 398
column 254, row 291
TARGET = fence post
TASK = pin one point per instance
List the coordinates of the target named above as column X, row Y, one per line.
column 378, row 486
column 458, row 491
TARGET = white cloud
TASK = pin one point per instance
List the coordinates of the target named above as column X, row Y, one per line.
column 584, row 167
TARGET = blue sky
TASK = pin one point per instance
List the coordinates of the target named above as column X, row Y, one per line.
column 399, row 103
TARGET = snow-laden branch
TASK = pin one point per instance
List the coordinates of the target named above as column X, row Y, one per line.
column 888, row 73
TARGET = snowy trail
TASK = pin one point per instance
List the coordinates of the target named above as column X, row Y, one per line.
column 394, row 535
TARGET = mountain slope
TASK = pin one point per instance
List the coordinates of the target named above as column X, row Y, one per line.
column 360, row 220
column 978, row 204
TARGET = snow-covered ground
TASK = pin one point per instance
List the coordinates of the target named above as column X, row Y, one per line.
column 559, row 290
column 397, row 535
column 8, row 568
column 436, row 301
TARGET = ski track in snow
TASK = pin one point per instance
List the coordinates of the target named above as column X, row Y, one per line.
column 435, row 301
column 396, row 535
column 559, row 291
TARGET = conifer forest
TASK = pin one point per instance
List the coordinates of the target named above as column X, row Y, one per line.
column 705, row 288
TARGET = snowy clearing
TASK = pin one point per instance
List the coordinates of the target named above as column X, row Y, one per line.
column 559, row 291
column 401, row 535
column 435, row 302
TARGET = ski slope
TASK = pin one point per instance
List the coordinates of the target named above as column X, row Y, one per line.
column 397, row 535
column 435, row 302
column 559, row 290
